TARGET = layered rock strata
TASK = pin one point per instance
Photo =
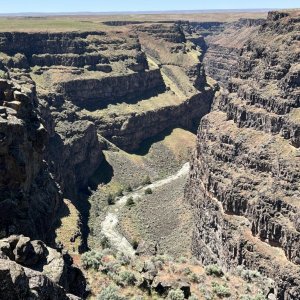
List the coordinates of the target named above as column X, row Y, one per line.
column 223, row 48
column 244, row 179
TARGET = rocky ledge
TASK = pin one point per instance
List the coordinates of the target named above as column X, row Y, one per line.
column 31, row 270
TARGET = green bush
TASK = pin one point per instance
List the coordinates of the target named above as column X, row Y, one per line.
column 110, row 293
column 175, row 295
column 193, row 277
column 3, row 75
column 130, row 201
column 110, row 199
column 104, row 241
column 128, row 188
column 148, row 191
column 250, row 275
column 91, row 259
column 127, row 278
column 214, row 270
column 146, row 180
column 123, row 259
column 220, row 290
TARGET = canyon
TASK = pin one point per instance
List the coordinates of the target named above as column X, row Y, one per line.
column 96, row 131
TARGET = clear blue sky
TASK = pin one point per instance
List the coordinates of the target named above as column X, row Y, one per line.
column 15, row 6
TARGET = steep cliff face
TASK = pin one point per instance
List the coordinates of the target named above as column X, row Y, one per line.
column 223, row 47
column 29, row 196
column 244, row 179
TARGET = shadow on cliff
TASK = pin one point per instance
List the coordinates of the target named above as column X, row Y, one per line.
column 102, row 175
column 133, row 99
column 80, row 200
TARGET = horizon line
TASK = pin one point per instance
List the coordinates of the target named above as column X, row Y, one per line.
column 144, row 12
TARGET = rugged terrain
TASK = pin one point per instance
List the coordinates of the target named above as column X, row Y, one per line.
column 97, row 125
column 244, row 180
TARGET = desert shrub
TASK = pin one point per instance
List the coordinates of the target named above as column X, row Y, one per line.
column 193, row 277
column 130, row 201
column 123, row 259
column 113, row 267
column 182, row 260
column 135, row 244
column 186, row 271
column 104, row 241
column 250, row 275
column 110, row 199
column 119, row 192
column 127, row 278
column 214, row 270
column 146, row 180
column 220, row 290
column 128, row 188
column 110, row 293
column 91, row 259
column 161, row 259
column 3, row 75
column 259, row 296
column 148, row 191
column 175, row 295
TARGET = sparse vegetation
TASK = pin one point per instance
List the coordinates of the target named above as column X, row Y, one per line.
column 214, row 270
column 104, row 241
column 135, row 244
column 248, row 275
column 130, row 202
column 220, row 290
column 110, row 199
column 148, row 191
column 91, row 259
column 175, row 295
column 146, row 180
column 110, row 293
column 128, row 188
column 127, row 278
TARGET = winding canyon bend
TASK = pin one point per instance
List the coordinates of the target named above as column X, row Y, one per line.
column 99, row 158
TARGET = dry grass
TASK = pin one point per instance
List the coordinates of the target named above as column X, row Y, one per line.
column 70, row 222
column 94, row 23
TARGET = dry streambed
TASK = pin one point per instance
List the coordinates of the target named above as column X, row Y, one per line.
column 109, row 225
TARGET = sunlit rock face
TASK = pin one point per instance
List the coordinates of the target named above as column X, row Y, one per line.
column 244, row 179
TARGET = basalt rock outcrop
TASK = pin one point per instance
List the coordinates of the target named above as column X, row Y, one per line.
column 244, row 181
column 31, row 270
column 29, row 197
column 223, row 47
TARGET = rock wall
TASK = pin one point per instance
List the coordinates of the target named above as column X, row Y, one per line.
column 29, row 197
column 244, row 179
column 131, row 130
column 97, row 92
column 224, row 46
